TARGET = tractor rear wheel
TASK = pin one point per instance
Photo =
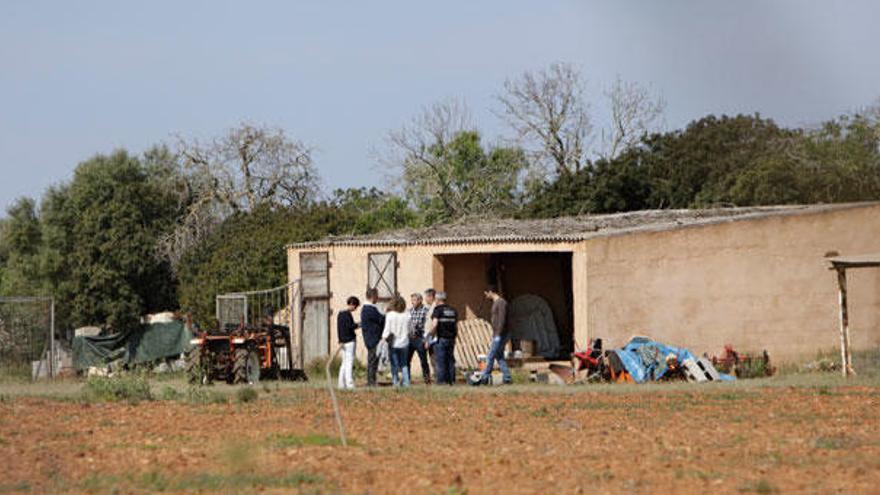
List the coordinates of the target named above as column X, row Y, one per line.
column 246, row 367
column 196, row 369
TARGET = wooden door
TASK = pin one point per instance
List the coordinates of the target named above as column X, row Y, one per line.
column 315, row 279
column 316, row 329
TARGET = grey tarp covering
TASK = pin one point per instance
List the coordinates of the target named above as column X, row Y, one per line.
column 530, row 318
column 148, row 343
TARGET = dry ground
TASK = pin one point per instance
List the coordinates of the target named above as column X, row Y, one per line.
column 795, row 435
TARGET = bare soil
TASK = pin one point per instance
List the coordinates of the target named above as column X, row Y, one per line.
column 522, row 439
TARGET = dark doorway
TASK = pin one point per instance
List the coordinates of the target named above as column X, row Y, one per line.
column 547, row 275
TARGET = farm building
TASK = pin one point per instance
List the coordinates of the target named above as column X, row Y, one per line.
column 756, row 278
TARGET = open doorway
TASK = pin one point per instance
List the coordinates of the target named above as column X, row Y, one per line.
column 534, row 282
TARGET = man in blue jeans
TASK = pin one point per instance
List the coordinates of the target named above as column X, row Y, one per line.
column 444, row 328
column 500, row 336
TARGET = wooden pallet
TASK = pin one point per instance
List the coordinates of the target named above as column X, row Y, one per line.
column 473, row 340
column 700, row 370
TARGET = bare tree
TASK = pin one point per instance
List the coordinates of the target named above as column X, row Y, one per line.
column 252, row 165
column 424, row 173
column 548, row 108
column 246, row 168
column 634, row 113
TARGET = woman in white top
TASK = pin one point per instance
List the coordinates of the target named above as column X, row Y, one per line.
column 397, row 332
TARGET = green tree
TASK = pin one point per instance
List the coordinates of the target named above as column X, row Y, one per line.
column 460, row 178
column 247, row 252
column 374, row 210
column 101, row 232
column 20, row 246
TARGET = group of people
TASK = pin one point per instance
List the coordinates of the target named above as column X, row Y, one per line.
column 428, row 328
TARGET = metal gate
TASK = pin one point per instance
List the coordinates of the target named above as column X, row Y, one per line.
column 27, row 337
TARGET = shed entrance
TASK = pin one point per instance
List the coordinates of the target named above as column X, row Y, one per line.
column 547, row 275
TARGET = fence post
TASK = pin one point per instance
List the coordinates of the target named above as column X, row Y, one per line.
column 52, row 370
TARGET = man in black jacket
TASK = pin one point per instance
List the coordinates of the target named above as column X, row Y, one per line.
column 373, row 323
column 345, row 327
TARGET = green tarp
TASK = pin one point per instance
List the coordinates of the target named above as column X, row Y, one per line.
column 148, row 343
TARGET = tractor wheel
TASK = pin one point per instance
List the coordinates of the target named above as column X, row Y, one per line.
column 196, row 369
column 246, row 368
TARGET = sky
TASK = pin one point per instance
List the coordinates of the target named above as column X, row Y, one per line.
column 81, row 78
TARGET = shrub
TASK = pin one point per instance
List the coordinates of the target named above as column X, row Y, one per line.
column 202, row 396
column 245, row 395
column 316, row 368
column 169, row 393
column 122, row 387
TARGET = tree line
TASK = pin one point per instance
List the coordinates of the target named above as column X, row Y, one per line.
column 172, row 227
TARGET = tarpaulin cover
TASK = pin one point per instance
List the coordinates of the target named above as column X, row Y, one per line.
column 148, row 343
column 645, row 359
column 530, row 318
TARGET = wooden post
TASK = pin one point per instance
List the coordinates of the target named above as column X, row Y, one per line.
column 296, row 314
column 845, row 357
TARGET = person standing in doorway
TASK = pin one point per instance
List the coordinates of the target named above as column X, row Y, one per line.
column 500, row 336
column 418, row 316
column 444, row 327
column 345, row 327
column 373, row 323
column 397, row 325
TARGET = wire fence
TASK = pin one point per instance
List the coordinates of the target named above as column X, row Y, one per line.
column 254, row 307
column 27, row 337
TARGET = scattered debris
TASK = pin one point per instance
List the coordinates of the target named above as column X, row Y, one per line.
column 743, row 365
column 823, row 365
column 640, row 360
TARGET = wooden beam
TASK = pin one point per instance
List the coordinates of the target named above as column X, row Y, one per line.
column 845, row 354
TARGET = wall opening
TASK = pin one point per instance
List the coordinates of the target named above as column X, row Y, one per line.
column 547, row 275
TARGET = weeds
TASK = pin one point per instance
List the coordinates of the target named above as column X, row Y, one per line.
column 245, row 395
column 201, row 396
column 760, row 486
column 169, row 393
column 834, row 443
column 122, row 387
column 155, row 481
column 279, row 441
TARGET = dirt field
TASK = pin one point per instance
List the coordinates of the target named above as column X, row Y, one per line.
column 764, row 436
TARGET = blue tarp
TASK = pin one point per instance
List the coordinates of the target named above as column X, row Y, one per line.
column 645, row 359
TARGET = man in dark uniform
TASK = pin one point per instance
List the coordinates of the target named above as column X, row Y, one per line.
column 444, row 326
column 372, row 323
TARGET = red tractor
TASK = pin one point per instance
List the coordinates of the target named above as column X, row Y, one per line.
column 240, row 354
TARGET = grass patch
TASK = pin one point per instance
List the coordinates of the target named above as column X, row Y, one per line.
column 169, row 393
column 834, row 443
column 155, row 481
column 201, row 396
column 16, row 487
column 315, row 369
column 759, row 486
column 280, row 441
column 122, row 387
column 245, row 395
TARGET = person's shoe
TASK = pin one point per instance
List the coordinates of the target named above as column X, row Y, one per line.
column 507, row 381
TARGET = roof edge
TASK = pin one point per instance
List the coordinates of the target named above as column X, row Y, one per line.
column 769, row 212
